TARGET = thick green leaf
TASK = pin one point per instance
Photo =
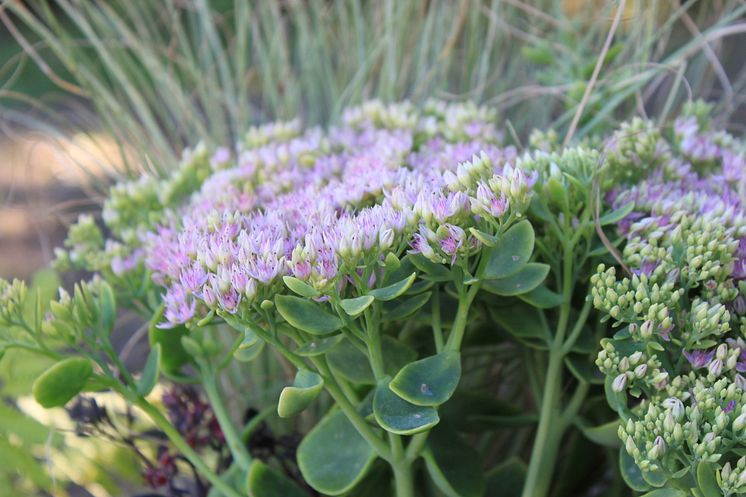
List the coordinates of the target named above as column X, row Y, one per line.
column 430, row 381
column 605, row 434
column 264, row 481
column 294, row 399
column 525, row 280
column 617, row 400
column 655, row 478
column 357, row 305
column 354, row 366
column 584, row 369
column 395, row 290
column 307, row 315
column 300, row 287
column 486, row 238
column 318, row 346
column 391, row 262
column 173, row 354
column 665, row 492
column 108, row 310
column 522, row 322
column 506, row 480
column 542, row 297
column 617, row 215
column 477, row 411
column 333, row 457
column 453, row 465
column 150, row 372
column 631, row 473
column 250, row 338
column 63, row 381
column 398, row 416
column 430, row 270
column 28, row 429
column 512, row 251
column 251, row 352
column 401, row 309
column 707, row 480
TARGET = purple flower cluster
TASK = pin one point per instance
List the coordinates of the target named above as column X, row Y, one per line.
column 318, row 206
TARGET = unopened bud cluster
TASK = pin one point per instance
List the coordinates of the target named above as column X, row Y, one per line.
column 680, row 302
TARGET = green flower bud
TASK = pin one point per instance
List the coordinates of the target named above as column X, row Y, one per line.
column 739, row 423
column 619, row 383
column 641, row 370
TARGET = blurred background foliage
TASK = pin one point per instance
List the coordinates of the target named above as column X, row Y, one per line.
column 93, row 90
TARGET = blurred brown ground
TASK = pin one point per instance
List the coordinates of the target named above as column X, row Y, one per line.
column 44, row 185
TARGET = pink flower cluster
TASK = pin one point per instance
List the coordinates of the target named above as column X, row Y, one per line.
column 318, row 206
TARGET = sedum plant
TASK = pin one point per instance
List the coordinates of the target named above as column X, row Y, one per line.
column 422, row 287
column 674, row 370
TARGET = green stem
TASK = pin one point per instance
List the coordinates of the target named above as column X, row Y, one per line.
column 548, row 434
column 459, row 323
column 578, row 328
column 403, row 480
column 536, row 482
column 437, row 328
column 375, row 351
column 357, row 421
column 184, row 448
column 232, row 437
column 576, row 402
column 415, row 446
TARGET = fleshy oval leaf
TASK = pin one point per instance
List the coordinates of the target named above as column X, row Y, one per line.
column 318, row 346
column 333, row 457
column 511, row 252
column 631, row 474
column 525, row 280
column 355, row 306
column 542, row 297
column 250, row 338
column 394, row 290
column 616, row 215
column 300, row 287
column 108, row 305
column 248, row 354
column 453, row 465
column 150, row 372
column 398, row 416
column 350, row 363
column 63, row 381
column 307, row 315
column 707, row 480
column 263, row 481
column 430, row 381
column 666, row 492
column 173, row 354
column 406, row 307
column 304, row 390
column 431, row 270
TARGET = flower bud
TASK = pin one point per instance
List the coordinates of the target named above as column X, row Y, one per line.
column 739, row 423
column 740, row 382
column 641, row 370
column 725, row 472
column 721, row 352
column 659, row 448
column 624, row 365
column 620, row 383
column 646, row 330
column 635, row 358
column 678, row 433
column 715, row 367
column 630, row 446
